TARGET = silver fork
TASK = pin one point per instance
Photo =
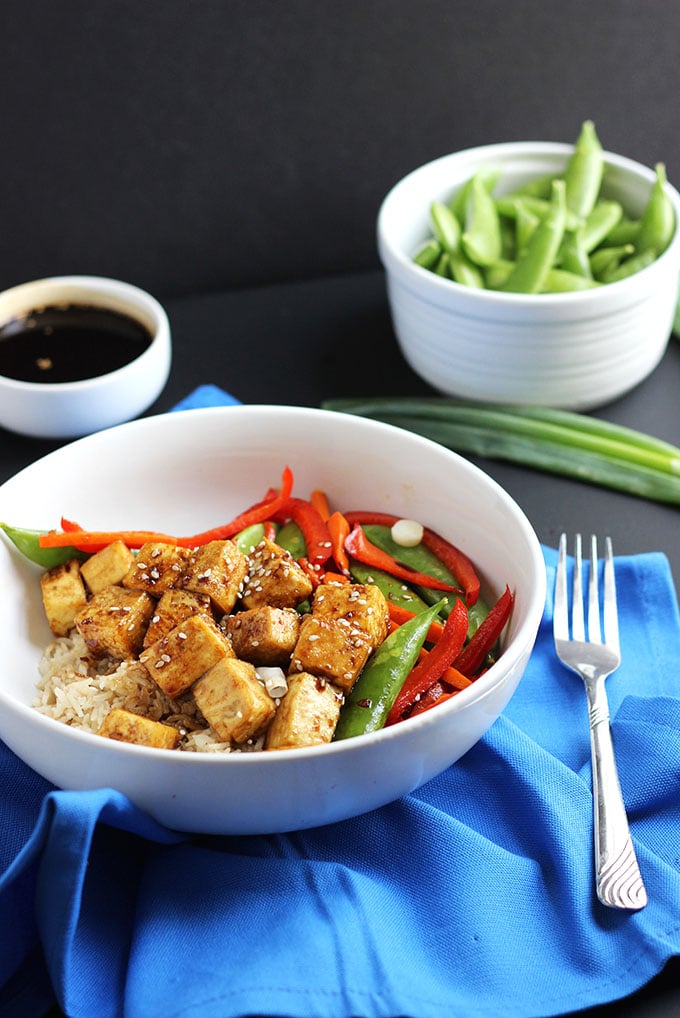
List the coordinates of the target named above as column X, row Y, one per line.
column 594, row 654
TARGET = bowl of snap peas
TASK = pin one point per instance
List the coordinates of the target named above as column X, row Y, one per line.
column 533, row 272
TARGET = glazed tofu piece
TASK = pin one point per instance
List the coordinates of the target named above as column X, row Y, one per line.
column 63, row 595
column 114, row 621
column 174, row 607
column 363, row 605
column 264, row 636
column 181, row 656
column 218, row 570
column 233, row 700
column 274, row 578
column 125, row 726
column 307, row 714
column 158, row 567
column 108, row 567
column 331, row 649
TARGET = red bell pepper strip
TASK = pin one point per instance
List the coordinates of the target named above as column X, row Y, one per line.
column 359, row 547
column 429, row 669
column 314, row 529
column 472, row 657
column 268, row 509
column 88, row 540
column 453, row 558
column 339, row 529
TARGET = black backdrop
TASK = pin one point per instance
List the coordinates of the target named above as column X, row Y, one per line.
column 197, row 146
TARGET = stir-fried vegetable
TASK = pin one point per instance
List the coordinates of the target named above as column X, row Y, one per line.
column 421, row 633
column 557, row 441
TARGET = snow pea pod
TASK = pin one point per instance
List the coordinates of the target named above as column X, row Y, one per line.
column 583, row 175
column 27, row 542
column 291, row 538
column 370, row 701
column 573, row 256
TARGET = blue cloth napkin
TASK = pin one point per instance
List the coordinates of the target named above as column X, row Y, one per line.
column 474, row 895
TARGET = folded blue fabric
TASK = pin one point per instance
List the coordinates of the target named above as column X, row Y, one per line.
column 474, row 895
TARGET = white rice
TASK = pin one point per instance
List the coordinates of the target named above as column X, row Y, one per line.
column 79, row 690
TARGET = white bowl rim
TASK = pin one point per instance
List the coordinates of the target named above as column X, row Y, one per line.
column 106, row 286
column 437, row 284
column 479, row 689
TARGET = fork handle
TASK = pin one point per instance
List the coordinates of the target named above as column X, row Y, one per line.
column 618, row 879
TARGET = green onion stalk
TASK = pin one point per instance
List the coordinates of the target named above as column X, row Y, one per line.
column 555, row 441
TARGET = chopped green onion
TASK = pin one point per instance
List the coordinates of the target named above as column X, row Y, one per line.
column 556, row 441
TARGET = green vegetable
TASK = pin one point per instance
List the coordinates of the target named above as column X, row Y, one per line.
column 583, row 175
column 370, row 701
column 395, row 591
column 292, row 539
column 478, row 234
column 422, row 559
column 657, row 223
column 535, row 262
column 250, row 537
column 26, row 541
column 557, row 441
column 482, row 235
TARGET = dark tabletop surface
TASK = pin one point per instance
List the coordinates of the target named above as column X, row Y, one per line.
column 303, row 342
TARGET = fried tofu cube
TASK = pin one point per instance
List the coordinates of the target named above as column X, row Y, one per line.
column 107, row 567
column 218, row 570
column 174, row 607
column 181, row 656
column 274, row 578
column 125, row 726
column 158, row 567
column 264, row 636
column 332, row 649
column 307, row 715
column 114, row 621
column 63, row 595
column 233, row 700
column 362, row 604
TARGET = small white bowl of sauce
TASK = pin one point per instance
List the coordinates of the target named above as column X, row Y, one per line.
column 79, row 354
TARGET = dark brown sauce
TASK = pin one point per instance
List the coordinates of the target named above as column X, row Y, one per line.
column 68, row 344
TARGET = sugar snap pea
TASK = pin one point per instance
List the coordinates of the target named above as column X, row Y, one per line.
column 395, row 591
column 370, row 701
column 503, row 242
column 628, row 267
column 535, row 262
column 249, row 538
column 606, row 259
column 428, row 255
column 657, row 222
column 583, row 175
column 481, row 237
column 599, row 223
column 26, row 541
column 423, row 560
column 446, row 226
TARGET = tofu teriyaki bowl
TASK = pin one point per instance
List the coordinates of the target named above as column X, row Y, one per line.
column 259, row 619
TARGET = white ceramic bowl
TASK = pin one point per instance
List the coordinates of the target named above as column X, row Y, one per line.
column 187, row 471
column 73, row 409
column 570, row 350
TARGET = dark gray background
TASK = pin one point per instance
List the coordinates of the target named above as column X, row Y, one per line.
column 190, row 147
